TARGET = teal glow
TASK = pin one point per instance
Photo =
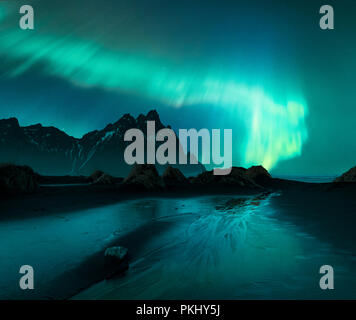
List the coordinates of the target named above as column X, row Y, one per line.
column 3, row 12
column 275, row 126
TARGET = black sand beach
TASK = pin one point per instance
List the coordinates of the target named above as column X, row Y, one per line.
column 325, row 211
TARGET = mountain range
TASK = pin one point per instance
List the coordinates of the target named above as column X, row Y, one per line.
column 50, row 151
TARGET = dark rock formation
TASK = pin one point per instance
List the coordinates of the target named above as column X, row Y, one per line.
column 50, row 151
column 144, row 177
column 174, row 177
column 258, row 174
column 348, row 176
column 237, row 177
column 17, row 179
column 99, row 177
column 116, row 261
column 105, row 179
column 117, row 253
column 95, row 175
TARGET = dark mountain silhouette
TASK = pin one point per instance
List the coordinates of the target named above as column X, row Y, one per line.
column 50, row 151
column 174, row 177
column 348, row 176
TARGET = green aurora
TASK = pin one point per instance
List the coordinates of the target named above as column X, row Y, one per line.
column 273, row 122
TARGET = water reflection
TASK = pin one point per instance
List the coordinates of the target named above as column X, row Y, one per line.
column 226, row 248
column 213, row 247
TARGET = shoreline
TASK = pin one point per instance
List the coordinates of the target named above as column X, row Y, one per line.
column 50, row 199
column 326, row 210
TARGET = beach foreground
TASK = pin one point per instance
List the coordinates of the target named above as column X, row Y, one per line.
column 227, row 244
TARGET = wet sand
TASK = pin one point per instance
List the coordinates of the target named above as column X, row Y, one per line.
column 326, row 211
column 245, row 248
column 54, row 199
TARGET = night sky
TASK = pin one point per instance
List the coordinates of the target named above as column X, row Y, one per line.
column 263, row 68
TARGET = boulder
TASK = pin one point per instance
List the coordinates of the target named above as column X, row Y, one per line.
column 237, row 177
column 144, row 176
column 95, row 175
column 116, row 261
column 105, row 179
column 258, row 174
column 348, row 176
column 117, row 253
column 174, row 177
column 17, row 179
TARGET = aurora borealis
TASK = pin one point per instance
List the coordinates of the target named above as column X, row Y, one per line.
column 88, row 62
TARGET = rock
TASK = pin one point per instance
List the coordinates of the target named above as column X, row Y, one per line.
column 105, row 179
column 99, row 177
column 237, row 177
column 144, row 176
column 348, row 176
column 174, row 177
column 17, row 179
column 116, row 261
column 253, row 177
column 9, row 123
column 258, row 174
column 118, row 253
column 95, row 175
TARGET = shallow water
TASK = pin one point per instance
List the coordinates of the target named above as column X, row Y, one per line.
column 229, row 248
column 213, row 247
column 55, row 243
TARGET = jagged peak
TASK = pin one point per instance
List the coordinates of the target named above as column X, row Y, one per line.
column 153, row 115
column 126, row 118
